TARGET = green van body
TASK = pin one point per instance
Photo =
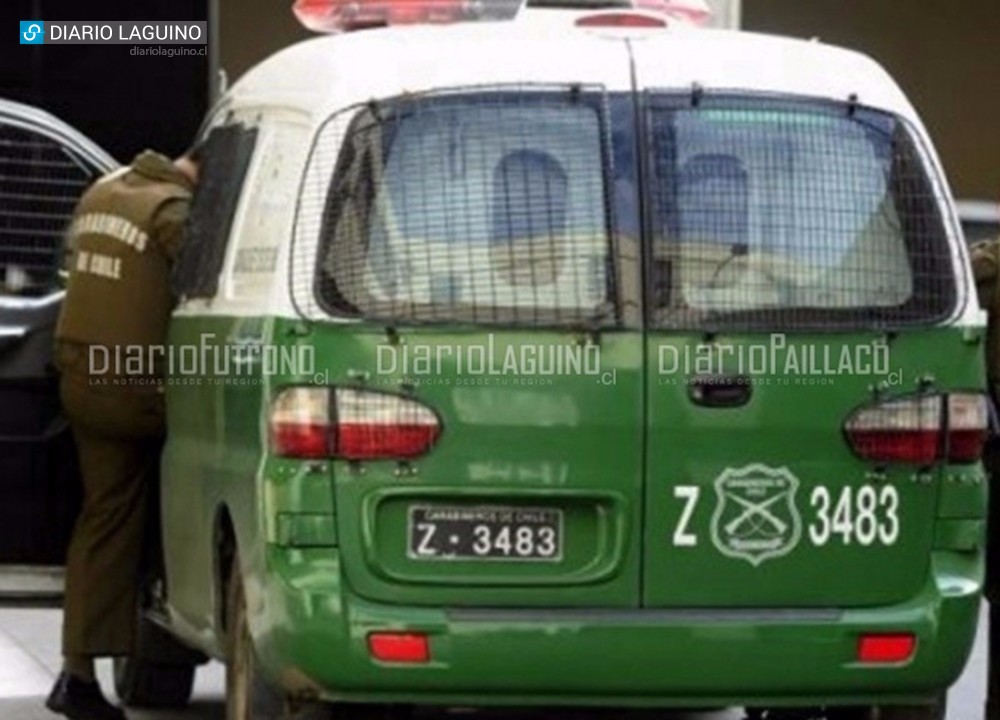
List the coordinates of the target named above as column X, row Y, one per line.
column 653, row 600
column 323, row 544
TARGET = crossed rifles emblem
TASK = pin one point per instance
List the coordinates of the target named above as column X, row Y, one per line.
column 766, row 524
column 759, row 511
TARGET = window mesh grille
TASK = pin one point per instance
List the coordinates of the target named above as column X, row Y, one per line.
column 40, row 183
column 226, row 156
column 786, row 215
column 523, row 206
column 488, row 207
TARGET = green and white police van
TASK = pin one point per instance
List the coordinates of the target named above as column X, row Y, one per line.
column 595, row 361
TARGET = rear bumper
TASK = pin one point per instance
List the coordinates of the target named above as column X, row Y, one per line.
column 311, row 635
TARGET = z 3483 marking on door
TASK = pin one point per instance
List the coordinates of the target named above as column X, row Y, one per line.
column 867, row 516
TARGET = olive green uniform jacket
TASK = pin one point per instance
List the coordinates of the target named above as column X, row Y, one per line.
column 125, row 234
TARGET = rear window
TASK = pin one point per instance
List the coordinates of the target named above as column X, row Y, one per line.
column 787, row 215
column 478, row 207
column 528, row 207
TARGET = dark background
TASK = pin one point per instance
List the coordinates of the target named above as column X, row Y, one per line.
column 123, row 103
column 946, row 55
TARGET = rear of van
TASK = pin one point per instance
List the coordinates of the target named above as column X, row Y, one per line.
column 657, row 388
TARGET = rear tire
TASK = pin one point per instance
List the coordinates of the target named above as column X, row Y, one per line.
column 248, row 695
column 850, row 713
column 937, row 711
column 793, row 714
column 144, row 684
column 160, row 671
column 368, row 712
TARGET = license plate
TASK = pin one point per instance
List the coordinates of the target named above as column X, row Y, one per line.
column 488, row 533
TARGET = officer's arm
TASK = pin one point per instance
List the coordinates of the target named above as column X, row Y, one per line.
column 168, row 227
column 986, row 267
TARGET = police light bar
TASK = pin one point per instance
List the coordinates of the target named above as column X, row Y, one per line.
column 629, row 20
column 329, row 16
column 696, row 12
column 625, row 14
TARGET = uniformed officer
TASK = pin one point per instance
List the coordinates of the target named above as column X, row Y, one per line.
column 124, row 236
column 986, row 266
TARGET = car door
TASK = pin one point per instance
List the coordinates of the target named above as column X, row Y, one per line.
column 196, row 458
column 477, row 226
column 798, row 354
column 44, row 167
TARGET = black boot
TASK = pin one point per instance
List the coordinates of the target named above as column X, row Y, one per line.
column 81, row 700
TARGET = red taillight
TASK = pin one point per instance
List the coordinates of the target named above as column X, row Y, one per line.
column 300, row 423
column 917, row 447
column 344, row 15
column 373, row 426
column 313, row 423
column 921, row 430
column 621, row 20
column 399, row 647
column 906, row 430
column 968, row 427
column 886, row 649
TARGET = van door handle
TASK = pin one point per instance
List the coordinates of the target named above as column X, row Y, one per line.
column 720, row 391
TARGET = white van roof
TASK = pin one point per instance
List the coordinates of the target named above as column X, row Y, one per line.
column 327, row 74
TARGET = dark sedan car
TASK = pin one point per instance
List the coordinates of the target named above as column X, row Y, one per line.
column 44, row 167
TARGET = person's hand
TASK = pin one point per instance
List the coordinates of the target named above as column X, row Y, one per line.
column 986, row 268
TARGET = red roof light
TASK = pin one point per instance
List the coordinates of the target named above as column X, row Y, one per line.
column 696, row 12
column 621, row 20
column 329, row 16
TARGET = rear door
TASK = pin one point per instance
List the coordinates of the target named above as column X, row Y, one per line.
column 799, row 266
column 205, row 449
column 470, row 241
column 44, row 167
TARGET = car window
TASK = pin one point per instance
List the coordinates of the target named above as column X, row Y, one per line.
column 225, row 159
column 269, row 209
column 40, row 183
column 782, row 215
column 484, row 207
